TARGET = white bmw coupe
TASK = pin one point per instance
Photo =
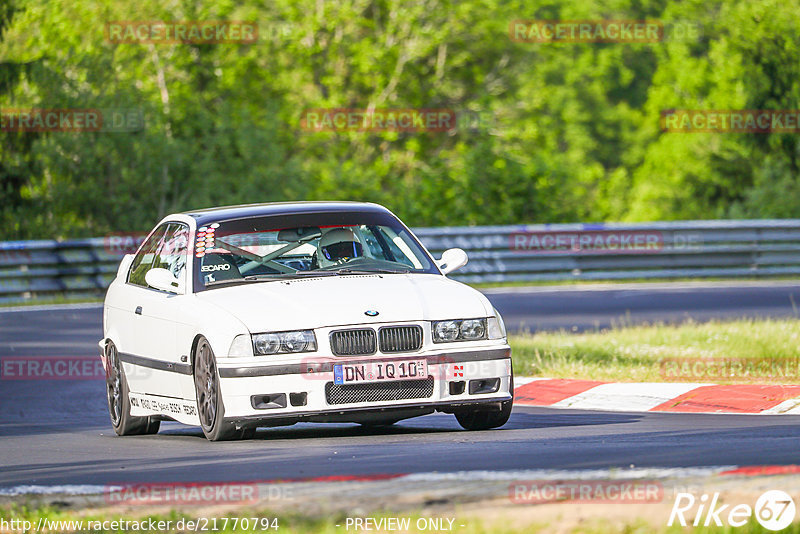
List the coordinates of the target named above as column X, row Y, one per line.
column 242, row 317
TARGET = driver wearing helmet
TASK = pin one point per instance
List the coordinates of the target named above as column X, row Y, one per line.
column 338, row 246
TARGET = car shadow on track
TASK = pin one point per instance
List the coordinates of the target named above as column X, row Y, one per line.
column 430, row 424
column 533, row 417
column 317, row 431
column 523, row 418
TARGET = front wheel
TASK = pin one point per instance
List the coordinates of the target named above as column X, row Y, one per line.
column 210, row 407
column 119, row 404
column 478, row 419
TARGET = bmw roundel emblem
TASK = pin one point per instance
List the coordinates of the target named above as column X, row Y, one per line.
column 371, row 313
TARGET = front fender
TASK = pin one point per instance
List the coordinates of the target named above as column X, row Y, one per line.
column 206, row 319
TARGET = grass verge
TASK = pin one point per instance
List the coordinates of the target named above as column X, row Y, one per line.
column 639, row 353
column 242, row 521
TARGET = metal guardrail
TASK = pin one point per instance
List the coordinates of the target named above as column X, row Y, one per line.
column 681, row 249
column 37, row 270
column 47, row 269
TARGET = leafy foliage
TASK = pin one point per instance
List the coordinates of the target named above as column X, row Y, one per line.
column 570, row 132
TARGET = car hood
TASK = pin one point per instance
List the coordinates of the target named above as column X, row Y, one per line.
column 343, row 300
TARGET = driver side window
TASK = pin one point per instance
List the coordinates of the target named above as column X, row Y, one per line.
column 165, row 248
column 172, row 250
column 143, row 261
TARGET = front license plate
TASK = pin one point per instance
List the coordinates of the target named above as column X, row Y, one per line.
column 353, row 373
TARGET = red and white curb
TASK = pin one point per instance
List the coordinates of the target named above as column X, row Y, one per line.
column 658, row 396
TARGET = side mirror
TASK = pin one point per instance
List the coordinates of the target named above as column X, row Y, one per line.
column 163, row 280
column 452, row 259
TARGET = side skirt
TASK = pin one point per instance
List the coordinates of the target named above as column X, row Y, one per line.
column 180, row 410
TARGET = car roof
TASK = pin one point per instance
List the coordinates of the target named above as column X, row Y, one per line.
column 208, row 215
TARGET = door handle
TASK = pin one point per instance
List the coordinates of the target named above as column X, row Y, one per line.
column 138, row 310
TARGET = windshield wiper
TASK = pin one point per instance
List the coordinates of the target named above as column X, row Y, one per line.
column 262, row 277
column 304, row 274
column 283, row 276
column 234, row 281
column 348, row 270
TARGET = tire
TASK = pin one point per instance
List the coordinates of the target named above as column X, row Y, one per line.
column 478, row 419
column 210, row 407
column 119, row 404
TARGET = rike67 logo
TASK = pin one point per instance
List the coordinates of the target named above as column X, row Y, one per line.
column 774, row 510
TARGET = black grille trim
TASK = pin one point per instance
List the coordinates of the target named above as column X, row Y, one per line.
column 379, row 391
column 358, row 342
column 400, row 338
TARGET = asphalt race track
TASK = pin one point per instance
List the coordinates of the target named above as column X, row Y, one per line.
column 57, row 432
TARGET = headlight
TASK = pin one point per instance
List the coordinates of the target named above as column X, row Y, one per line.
column 284, row 342
column 298, row 341
column 459, row 330
column 267, row 343
column 445, row 331
column 473, row 329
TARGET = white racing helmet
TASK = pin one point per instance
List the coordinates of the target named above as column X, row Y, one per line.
column 337, row 246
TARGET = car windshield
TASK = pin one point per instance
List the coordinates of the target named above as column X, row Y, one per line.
column 258, row 249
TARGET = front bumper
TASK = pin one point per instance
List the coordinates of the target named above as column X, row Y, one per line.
column 291, row 392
